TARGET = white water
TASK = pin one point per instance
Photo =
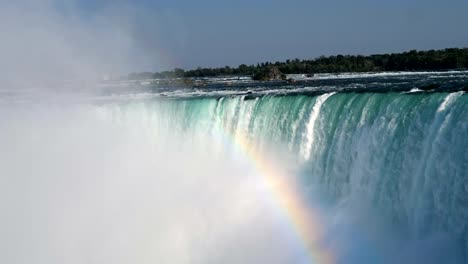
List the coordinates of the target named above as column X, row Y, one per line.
column 449, row 100
column 352, row 75
column 309, row 134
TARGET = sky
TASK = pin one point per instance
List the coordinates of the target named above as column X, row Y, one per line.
column 158, row 35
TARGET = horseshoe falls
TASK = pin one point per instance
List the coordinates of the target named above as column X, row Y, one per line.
column 337, row 169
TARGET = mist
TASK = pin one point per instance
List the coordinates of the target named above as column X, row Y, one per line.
column 132, row 182
column 45, row 42
column 84, row 184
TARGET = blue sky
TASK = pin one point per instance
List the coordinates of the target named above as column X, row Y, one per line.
column 188, row 34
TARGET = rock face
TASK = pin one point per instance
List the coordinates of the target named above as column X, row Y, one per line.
column 268, row 74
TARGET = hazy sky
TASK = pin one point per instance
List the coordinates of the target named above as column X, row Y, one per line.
column 165, row 34
column 215, row 33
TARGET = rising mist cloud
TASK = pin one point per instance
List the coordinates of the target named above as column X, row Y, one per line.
column 44, row 41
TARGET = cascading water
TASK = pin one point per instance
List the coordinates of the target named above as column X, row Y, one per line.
column 164, row 180
column 403, row 154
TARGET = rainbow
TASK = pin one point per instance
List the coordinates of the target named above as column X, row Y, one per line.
column 304, row 221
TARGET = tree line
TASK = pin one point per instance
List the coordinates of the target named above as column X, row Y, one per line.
column 431, row 60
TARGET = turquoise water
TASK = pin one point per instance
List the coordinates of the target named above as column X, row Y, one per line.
column 142, row 176
column 401, row 156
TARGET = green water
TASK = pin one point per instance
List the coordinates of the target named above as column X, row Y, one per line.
column 403, row 154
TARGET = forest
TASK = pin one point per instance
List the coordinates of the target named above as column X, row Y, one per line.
column 431, row 60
